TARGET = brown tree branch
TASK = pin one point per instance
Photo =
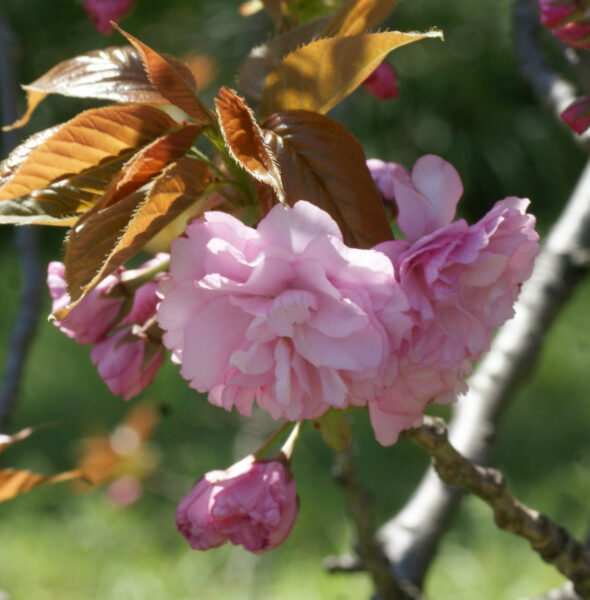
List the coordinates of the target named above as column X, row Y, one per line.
column 370, row 553
column 25, row 241
column 552, row 542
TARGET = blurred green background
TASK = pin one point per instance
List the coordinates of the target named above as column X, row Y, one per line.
column 463, row 99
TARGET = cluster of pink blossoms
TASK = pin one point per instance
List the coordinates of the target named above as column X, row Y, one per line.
column 118, row 325
column 569, row 20
column 287, row 316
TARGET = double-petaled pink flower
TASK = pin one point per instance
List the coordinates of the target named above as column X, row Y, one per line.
column 577, row 114
column 461, row 282
column 569, row 20
column 253, row 504
column 285, row 315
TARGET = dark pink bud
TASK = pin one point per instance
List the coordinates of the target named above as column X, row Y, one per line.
column 577, row 114
column 253, row 504
column 382, row 82
column 101, row 12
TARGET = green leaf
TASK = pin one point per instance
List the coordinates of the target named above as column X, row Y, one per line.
column 319, row 75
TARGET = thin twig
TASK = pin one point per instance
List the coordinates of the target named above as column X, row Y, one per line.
column 25, row 240
column 552, row 542
column 369, row 550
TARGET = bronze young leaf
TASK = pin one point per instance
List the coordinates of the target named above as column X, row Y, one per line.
column 172, row 79
column 114, row 73
column 106, row 237
column 322, row 162
column 245, row 140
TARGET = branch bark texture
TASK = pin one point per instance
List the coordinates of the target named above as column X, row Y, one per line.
column 552, row 542
column 25, row 241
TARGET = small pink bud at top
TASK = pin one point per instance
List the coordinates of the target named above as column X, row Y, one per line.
column 382, row 82
column 577, row 114
column 101, row 12
column 253, row 504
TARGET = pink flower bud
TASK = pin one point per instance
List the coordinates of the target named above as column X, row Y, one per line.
column 253, row 503
column 382, row 82
column 569, row 20
column 91, row 319
column 103, row 11
column 577, row 114
column 127, row 362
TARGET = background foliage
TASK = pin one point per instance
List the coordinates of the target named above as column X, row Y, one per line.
column 463, row 99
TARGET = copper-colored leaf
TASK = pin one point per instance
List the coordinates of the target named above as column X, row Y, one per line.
column 22, row 152
column 264, row 58
column 320, row 75
column 322, row 162
column 358, row 16
column 172, row 79
column 61, row 203
column 14, row 482
column 106, row 237
column 149, row 161
column 85, row 142
column 114, row 73
column 245, row 140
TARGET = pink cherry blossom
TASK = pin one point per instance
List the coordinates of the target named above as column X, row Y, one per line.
column 101, row 12
column 461, row 283
column 91, row 319
column 569, row 20
column 382, row 82
column 253, row 504
column 127, row 362
column 284, row 314
column 577, row 114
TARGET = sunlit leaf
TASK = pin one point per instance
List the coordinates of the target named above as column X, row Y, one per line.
column 322, row 162
column 335, row 429
column 85, row 142
column 358, row 16
column 106, row 237
column 61, row 203
column 172, row 79
column 318, row 76
column 22, row 152
column 264, row 58
column 149, row 161
column 14, row 482
column 114, row 73
column 245, row 140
